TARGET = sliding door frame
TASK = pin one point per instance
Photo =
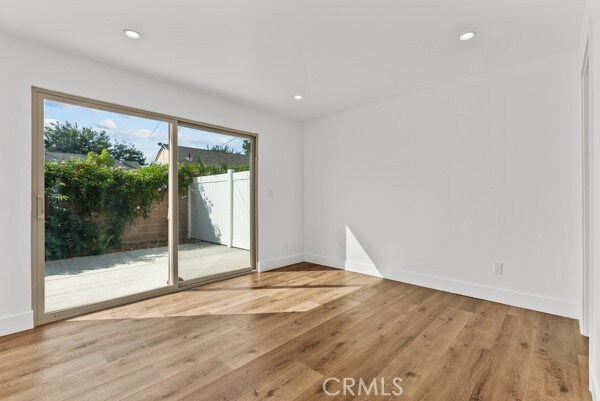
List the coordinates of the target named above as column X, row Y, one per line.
column 38, row 205
column 253, row 204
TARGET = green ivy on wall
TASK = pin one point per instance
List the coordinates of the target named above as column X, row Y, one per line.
column 91, row 202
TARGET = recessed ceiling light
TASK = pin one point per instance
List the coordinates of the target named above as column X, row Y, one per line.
column 298, row 97
column 467, row 35
column 131, row 34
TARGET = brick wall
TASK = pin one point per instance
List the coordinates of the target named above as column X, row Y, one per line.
column 156, row 227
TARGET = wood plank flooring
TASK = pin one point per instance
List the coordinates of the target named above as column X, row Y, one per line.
column 278, row 335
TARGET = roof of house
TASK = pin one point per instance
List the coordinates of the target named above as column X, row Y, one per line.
column 59, row 157
column 189, row 155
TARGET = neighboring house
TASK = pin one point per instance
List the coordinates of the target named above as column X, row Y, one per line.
column 59, row 157
column 190, row 155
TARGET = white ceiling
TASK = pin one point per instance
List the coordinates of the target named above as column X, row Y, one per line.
column 337, row 53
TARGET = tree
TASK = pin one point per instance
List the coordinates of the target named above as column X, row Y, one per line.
column 226, row 149
column 70, row 138
column 222, row 148
column 246, row 146
column 125, row 151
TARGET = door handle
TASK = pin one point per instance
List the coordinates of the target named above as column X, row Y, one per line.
column 40, row 207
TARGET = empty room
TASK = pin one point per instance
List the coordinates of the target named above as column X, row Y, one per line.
column 300, row 200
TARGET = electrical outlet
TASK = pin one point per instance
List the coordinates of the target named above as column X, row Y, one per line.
column 498, row 267
column 285, row 244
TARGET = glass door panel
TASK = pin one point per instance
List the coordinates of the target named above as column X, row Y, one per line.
column 106, row 191
column 214, row 203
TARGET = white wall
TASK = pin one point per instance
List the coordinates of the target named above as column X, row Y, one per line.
column 433, row 187
column 23, row 65
column 591, row 26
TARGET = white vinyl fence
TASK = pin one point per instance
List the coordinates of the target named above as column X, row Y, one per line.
column 219, row 209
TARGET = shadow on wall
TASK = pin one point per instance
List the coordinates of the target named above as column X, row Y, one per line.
column 202, row 209
column 357, row 259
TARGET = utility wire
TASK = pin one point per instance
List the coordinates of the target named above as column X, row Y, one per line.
column 180, row 128
column 231, row 140
column 155, row 128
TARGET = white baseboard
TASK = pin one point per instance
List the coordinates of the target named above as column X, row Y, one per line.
column 535, row 302
column 324, row 260
column 581, row 328
column 266, row 265
column 594, row 388
column 15, row 323
column 362, row 268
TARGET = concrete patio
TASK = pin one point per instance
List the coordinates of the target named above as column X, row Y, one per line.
column 90, row 279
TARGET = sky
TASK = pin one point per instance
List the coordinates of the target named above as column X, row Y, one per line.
column 144, row 134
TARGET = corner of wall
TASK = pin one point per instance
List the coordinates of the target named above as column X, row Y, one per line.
column 271, row 264
column 325, row 261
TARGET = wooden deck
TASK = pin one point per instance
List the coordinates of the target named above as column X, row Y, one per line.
column 278, row 335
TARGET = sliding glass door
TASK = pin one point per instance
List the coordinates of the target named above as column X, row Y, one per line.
column 129, row 204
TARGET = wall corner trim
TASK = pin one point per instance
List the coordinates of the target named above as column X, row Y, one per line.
column 325, row 260
column 15, row 323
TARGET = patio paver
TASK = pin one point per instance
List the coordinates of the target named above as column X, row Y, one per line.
column 86, row 280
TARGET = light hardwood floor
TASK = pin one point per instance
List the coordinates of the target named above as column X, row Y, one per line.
column 278, row 335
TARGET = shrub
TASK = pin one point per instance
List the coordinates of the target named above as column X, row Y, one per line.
column 90, row 202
